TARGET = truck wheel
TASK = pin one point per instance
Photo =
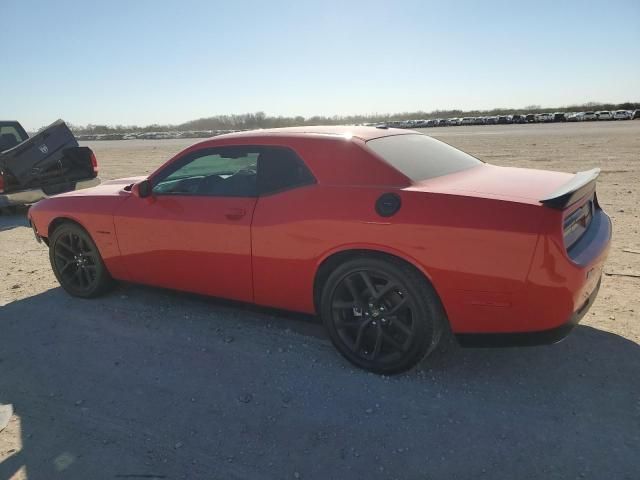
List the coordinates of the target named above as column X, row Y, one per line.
column 76, row 262
column 381, row 314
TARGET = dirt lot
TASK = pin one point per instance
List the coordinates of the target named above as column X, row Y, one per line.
column 146, row 383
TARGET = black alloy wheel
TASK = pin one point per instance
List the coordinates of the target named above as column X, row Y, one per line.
column 76, row 262
column 381, row 315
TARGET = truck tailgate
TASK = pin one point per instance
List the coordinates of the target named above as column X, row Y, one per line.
column 38, row 153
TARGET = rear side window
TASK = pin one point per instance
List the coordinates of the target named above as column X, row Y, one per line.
column 10, row 137
column 420, row 157
column 281, row 169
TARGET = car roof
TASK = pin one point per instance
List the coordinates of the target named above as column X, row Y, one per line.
column 361, row 132
column 334, row 154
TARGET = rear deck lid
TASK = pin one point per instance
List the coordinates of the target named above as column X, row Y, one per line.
column 522, row 185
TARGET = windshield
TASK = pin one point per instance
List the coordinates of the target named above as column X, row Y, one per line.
column 420, row 157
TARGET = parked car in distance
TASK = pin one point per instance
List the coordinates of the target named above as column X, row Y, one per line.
column 622, row 115
column 635, row 114
column 453, row 121
column 503, row 119
column 575, row 117
column 467, row 121
column 559, row 117
column 544, row 117
column 491, row 120
column 604, row 115
column 530, row 118
column 519, row 118
column 285, row 218
column 589, row 116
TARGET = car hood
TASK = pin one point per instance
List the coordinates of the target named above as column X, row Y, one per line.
column 523, row 185
column 107, row 188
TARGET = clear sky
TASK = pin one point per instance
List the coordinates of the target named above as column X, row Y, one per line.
column 141, row 62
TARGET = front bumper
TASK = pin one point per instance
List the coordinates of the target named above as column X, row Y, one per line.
column 25, row 197
column 527, row 339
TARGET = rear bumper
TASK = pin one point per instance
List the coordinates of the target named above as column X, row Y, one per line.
column 526, row 339
column 25, row 197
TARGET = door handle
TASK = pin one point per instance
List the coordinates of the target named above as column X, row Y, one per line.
column 235, row 213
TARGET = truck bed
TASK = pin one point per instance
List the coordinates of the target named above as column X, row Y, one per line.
column 51, row 160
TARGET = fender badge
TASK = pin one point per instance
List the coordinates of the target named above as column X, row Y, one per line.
column 43, row 148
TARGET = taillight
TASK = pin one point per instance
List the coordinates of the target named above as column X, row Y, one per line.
column 1, row 182
column 94, row 163
column 577, row 222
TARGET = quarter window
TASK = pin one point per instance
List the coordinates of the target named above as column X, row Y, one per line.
column 281, row 169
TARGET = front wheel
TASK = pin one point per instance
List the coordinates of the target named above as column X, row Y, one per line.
column 76, row 262
column 381, row 314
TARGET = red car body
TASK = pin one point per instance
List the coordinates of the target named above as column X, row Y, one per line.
column 494, row 252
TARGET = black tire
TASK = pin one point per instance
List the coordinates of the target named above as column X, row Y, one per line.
column 381, row 314
column 76, row 262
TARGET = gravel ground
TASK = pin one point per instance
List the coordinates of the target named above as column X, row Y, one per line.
column 147, row 383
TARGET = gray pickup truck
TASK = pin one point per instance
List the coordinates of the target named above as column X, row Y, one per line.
column 50, row 162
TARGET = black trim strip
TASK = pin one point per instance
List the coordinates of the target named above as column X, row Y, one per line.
column 572, row 191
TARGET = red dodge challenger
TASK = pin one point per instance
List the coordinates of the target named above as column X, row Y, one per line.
column 394, row 238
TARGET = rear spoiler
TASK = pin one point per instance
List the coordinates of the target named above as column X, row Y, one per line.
column 572, row 191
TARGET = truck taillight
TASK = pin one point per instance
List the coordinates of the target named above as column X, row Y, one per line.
column 1, row 182
column 94, row 163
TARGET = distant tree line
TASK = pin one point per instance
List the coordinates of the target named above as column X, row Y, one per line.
column 262, row 120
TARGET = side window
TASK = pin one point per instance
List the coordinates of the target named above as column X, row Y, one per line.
column 281, row 169
column 228, row 172
column 9, row 137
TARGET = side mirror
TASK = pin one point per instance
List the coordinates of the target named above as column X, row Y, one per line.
column 142, row 189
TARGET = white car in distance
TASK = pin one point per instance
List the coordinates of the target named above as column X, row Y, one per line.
column 604, row 115
column 622, row 115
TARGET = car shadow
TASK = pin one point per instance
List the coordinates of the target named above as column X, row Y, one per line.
column 13, row 217
column 146, row 383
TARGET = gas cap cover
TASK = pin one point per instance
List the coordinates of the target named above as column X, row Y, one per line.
column 388, row 204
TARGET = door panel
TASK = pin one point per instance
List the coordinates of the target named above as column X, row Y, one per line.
column 289, row 231
column 200, row 244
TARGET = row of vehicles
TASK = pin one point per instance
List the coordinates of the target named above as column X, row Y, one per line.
column 518, row 118
column 152, row 135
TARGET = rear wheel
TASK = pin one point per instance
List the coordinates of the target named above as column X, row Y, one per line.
column 76, row 262
column 381, row 315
